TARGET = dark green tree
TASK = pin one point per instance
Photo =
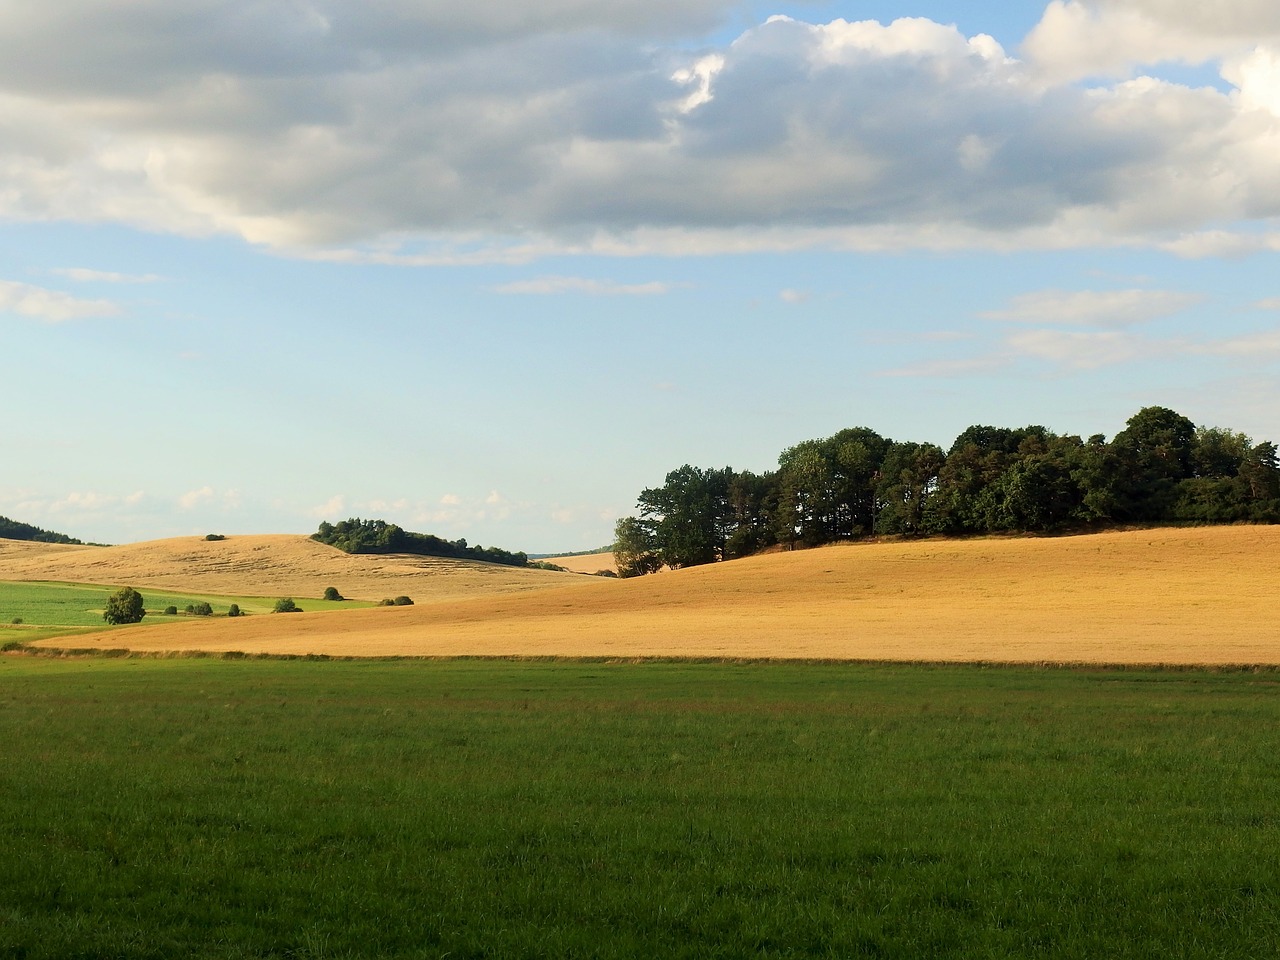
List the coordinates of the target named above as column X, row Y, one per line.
column 124, row 606
column 689, row 515
column 909, row 478
column 635, row 551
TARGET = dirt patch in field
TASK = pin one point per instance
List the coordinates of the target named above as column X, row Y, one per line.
column 1203, row 596
column 269, row 565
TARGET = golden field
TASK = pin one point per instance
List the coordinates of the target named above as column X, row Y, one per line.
column 1187, row 596
column 588, row 563
column 267, row 565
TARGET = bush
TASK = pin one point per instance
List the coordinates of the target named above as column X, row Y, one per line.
column 191, row 609
column 170, row 611
column 286, row 605
column 16, row 620
column 402, row 602
column 124, row 606
column 388, row 602
column 214, row 536
column 202, row 609
column 234, row 610
column 331, row 593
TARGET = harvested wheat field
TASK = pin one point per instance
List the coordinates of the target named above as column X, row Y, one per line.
column 588, row 563
column 265, row 566
column 1201, row 596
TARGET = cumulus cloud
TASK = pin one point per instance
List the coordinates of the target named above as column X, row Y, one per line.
column 1079, row 38
column 51, row 306
column 1097, row 308
column 425, row 132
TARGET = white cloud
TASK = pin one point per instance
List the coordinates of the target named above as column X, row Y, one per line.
column 82, row 503
column 1080, row 38
column 1096, row 308
column 1080, row 349
column 192, row 498
column 333, row 507
column 399, row 132
column 1269, row 303
column 51, row 306
column 793, row 296
column 550, row 285
column 82, row 275
column 450, row 500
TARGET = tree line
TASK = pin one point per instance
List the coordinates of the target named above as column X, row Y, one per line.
column 13, row 530
column 1161, row 468
column 355, row 535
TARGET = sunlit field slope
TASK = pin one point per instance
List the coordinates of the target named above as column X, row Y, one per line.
column 266, row 565
column 586, row 562
column 1200, row 596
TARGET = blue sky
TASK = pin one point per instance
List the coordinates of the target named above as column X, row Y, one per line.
column 488, row 271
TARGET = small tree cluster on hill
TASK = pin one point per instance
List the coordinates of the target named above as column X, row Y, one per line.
column 377, row 536
column 1161, row 468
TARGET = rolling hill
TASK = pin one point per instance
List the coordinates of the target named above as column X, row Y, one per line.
column 1183, row 596
column 267, row 565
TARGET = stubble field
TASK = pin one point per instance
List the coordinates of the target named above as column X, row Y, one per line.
column 1194, row 596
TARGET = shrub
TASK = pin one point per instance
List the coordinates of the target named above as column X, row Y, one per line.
column 191, row 609
column 286, row 605
column 388, row 602
column 124, row 606
column 202, row 609
column 402, row 602
column 234, row 610
column 214, row 536
column 170, row 611
column 16, row 620
column 331, row 593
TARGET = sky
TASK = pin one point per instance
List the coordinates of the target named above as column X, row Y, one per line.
column 488, row 270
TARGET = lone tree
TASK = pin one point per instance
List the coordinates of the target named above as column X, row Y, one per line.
column 124, row 606
column 286, row 605
column 331, row 593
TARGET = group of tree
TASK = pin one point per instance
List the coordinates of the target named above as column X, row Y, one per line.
column 1160, row 469
column 377, row 536
column 13, row 530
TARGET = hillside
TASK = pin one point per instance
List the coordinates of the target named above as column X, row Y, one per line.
column 1191, row 596
column 266, row 565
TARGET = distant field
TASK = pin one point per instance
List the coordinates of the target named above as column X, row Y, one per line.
column 1188, row 596
column 272, row 565
column 39, row 604
column 214, row 808
column 588, row 563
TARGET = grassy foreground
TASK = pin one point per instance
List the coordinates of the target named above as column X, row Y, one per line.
column 230, row 808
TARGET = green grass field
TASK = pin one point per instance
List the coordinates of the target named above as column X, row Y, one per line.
column 268, row 808
column 52, row 606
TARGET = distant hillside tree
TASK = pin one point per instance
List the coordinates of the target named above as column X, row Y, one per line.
column 377, row 536
column 13, row 530
column 1161, row 468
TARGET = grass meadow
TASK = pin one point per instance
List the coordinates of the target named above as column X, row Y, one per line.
column 222, row 807
column 48, row 609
